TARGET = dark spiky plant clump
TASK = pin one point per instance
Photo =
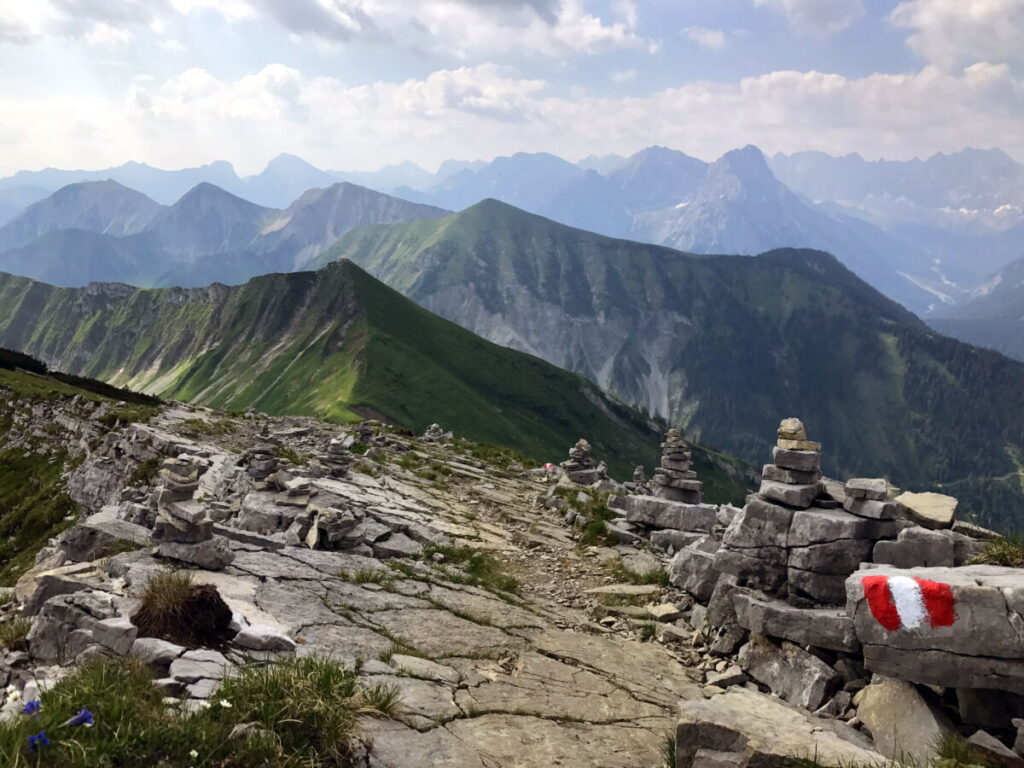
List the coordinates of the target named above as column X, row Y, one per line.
column 176, row 609
column 1007, row 552
column 297, row 713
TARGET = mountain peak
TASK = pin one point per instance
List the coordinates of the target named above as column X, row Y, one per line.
column 289, row 162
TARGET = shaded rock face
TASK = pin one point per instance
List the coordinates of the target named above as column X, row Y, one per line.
column 957, row 627
column 742, row 727
column 792, row 673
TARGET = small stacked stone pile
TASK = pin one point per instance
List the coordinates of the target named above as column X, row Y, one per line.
column 794, row 479
column 184, row 529
column 262, row 462
column 582, row 468
column 338, row 457
column 640, row 486
column 674, row 480
column 435, row 434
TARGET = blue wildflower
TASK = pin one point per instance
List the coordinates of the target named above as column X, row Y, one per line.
column 84, row 717
column 32, row 708
column 38, row 740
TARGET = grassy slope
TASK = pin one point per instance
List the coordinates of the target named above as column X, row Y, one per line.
column 33, row 503
column 791, row 332
column 331, row 344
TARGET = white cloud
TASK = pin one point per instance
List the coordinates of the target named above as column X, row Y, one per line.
column 714, row 39
column 487, row 110
column 621, row 76
column 817, row 18
column 956, row 32
column 172, row 45
column 459, row 28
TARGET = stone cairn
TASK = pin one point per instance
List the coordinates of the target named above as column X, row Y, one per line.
column 338, row 458
column 793, row 479
column 674, row 480
column 184, row 528
column 582, row 468
column 435, row 434
column 262, row 462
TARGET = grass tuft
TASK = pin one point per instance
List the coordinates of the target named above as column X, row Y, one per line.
column 1007, row 552
column 13, row 633
column 381, row 698
column 299, row 713
column 174, row 608
column 480, row 569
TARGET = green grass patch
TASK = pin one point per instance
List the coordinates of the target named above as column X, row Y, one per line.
column 14, row 631
column 144, row 473
column 480, row 569
column 33, row 508
column 302, row 712
column 657, row 576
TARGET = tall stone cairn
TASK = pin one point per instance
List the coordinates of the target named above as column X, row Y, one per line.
column 674, row 480
column 794, row 477
column 184, row 528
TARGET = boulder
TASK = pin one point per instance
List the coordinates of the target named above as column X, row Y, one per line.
column 792, row 429
column 820, row 627
column 116, row 634
column 875, row 510
column 932, row 510
column 661, row 513
column 803, row 461
column 955, row 627
column 917, row 547
column 875, row 489
column 693, row 568
column 799, row 496
column 996, row 752
column 904, row 721
column 667, row 540
column 790, row 476
column 94, row 536
column 212, row 554
column 745, row 728
column 259, row 637
column 790, row 672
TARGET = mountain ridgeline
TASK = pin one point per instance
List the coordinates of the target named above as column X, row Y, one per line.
column 103, row 232
column 336, row 344
column 725, row 345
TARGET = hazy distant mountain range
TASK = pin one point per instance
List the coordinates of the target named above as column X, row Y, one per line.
column 925, row 232
column 101, row 231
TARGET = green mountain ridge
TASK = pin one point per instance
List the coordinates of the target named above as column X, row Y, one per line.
column 724, row 346
column 336, row 344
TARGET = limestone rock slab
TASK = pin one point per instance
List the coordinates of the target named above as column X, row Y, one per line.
column 751, row 728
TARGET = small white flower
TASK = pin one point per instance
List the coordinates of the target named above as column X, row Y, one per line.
column 205, row 704
column 225, row 703
column 193, row 754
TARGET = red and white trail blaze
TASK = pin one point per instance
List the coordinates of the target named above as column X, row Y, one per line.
column 903, row 601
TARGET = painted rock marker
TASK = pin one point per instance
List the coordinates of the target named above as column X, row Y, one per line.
column 908, row 602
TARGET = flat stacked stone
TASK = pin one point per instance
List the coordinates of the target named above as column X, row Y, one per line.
column 582, row 468
column 262, row 461
column 794, row 477
column 183, row 529
column 674, row 480
column 338, row 458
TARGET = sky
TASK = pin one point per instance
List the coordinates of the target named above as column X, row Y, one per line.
column 357, row 84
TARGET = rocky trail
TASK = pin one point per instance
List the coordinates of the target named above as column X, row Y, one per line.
column 486, row 677
column 529, row 617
